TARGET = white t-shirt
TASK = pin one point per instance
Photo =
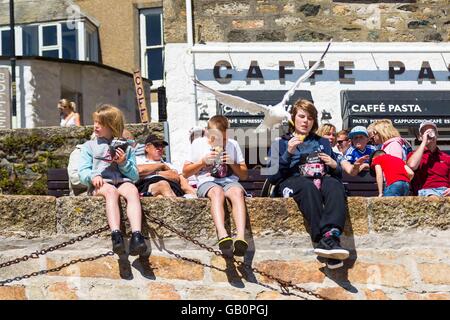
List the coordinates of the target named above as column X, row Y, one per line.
column 144, row 160
column 200, row 148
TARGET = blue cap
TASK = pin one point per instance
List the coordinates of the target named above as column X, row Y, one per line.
column 358, row 131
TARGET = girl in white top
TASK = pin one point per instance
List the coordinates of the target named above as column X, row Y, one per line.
column 69, row 118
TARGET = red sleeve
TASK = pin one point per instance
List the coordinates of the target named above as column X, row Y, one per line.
column 448, row 167
column 376, row 161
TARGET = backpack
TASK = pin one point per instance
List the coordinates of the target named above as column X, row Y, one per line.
column 406, row 148
column 75, row 185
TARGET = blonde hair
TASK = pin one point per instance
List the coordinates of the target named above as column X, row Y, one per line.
column 65, row 103
column 308, row 107
column 110, row 117
column 219, row 122
column 344, row 132
column 385, row 129
column 326, row 129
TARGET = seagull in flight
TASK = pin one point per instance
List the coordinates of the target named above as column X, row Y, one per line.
column 273, row 115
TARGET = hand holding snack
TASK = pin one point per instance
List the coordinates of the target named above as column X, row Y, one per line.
column 300, row 137
column 294, row 142
column 210, row 158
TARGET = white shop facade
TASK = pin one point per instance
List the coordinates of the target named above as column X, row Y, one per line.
column 357, row 84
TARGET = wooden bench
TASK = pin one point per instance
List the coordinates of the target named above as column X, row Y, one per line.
column 58, row 182
column 362, row 185
column 256, row 185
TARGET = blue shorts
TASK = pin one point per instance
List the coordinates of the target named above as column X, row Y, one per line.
column 432, row 192
column 397, row 189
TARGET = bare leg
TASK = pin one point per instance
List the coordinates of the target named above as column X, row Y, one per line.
column 161, row 188
column 236, row 196
column 186, row 187
column 217, row 197
column 111, row 195
column 134, row 209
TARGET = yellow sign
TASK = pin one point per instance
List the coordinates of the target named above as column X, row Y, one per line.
column 142, row 106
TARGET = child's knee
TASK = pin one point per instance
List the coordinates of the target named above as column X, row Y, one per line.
column 235, row 192
column 161, row 185
column 111, row 193
column 216, row 192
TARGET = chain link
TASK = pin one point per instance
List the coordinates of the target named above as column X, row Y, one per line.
column 37, row 253
column 283, row 284
column 64, row 265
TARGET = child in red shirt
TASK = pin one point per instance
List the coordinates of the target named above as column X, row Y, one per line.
column 396, row 174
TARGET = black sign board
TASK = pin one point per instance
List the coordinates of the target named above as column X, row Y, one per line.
column 405, row 108
column 239, row 118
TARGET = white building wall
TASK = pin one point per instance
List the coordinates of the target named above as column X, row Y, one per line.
column 370, row 72
column 39, row 86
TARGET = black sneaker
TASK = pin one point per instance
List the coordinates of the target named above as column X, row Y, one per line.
column 117, row 242
column 329, row 247
column 137, row 244
column 334, row 263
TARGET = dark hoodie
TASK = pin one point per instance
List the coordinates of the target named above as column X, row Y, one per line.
column 288, row 164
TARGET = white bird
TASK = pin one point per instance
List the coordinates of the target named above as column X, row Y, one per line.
column 272, row 115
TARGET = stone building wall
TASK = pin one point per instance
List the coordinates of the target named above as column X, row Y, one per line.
column 300, row 20
column 27, row 154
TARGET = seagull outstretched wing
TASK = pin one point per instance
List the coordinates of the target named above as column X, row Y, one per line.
column 233, row 101
column 304, row 77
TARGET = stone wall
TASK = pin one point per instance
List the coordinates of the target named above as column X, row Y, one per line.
column 399, row 250
column 289, row 20
column 27, row 154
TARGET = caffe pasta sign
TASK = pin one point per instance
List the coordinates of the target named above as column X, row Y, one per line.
column 391, row 108
column 223, row 72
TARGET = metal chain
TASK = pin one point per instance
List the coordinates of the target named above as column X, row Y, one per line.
column 283, row 284
column 65, row 265
column 38, row 253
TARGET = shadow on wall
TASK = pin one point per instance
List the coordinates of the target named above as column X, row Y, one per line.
column 46, row 86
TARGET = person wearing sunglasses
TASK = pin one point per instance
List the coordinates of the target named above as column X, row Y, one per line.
column 342, row 141
column 386, row 137
column 157, row 177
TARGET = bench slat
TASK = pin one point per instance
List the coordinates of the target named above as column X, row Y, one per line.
column 57, row 174
column 58, row 185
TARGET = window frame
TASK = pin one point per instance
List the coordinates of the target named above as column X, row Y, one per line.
column 90, row 29
column 58, row 45
column 143, row 42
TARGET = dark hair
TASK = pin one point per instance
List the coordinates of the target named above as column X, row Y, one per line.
column 373, row 155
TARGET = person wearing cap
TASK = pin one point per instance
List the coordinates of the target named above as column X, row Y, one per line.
column 157, row 177
column 359, row 148
column 431, row 166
